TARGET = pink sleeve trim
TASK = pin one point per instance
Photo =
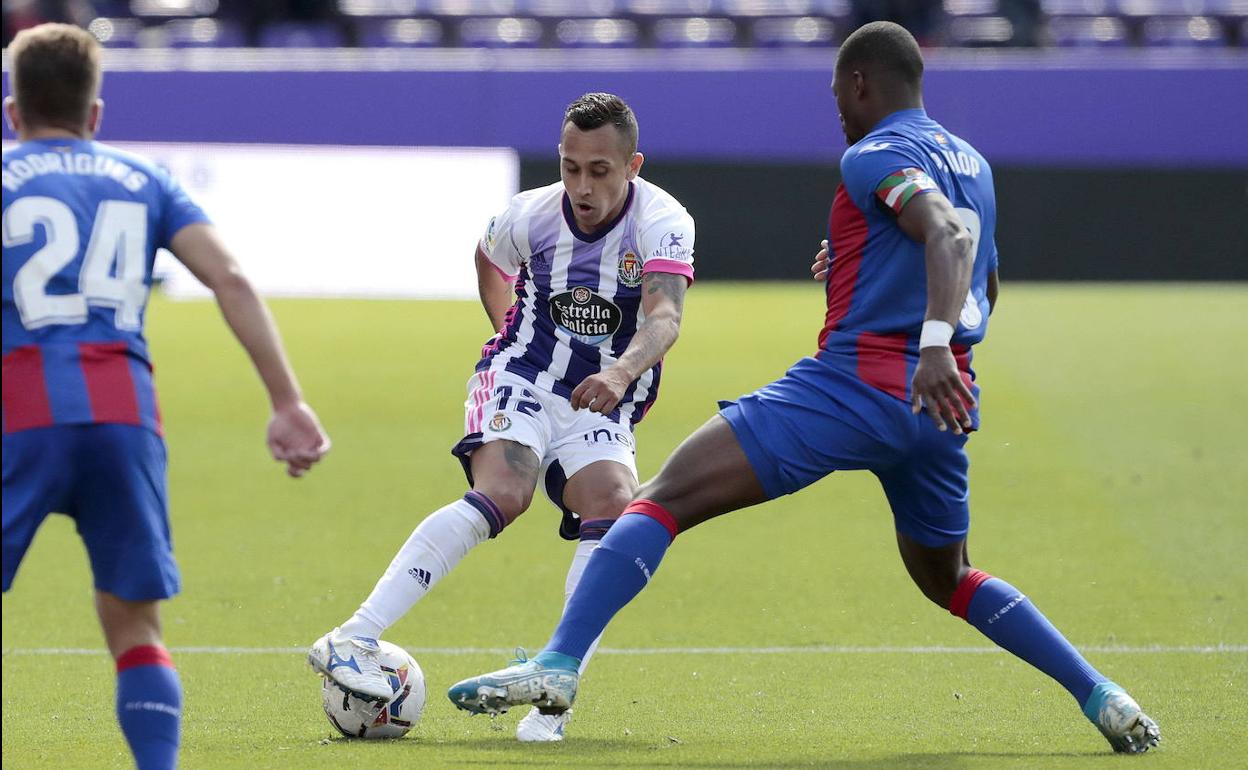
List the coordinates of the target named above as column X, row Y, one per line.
column 669, row 266
column 493, row 264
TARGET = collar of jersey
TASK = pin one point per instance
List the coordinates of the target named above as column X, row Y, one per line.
column 592, row 237
column 898, row 117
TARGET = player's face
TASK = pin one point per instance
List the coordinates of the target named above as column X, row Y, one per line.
column 845, row 88
column 596, row 167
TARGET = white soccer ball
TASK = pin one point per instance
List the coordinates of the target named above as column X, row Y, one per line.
column 355, row 718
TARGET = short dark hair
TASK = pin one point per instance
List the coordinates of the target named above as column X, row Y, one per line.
column 598, row 109
column 883, row 46
column 55, row 75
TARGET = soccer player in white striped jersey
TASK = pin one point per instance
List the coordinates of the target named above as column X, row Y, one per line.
column 585, row 282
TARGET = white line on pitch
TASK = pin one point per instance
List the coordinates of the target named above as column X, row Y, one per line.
column 813, row 649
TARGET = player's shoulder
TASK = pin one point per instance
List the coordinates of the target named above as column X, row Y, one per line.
column 653, row 203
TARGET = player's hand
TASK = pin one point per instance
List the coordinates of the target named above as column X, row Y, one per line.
column 938, row 385
column 819, row 270
column 601, row 392
column 296, row 438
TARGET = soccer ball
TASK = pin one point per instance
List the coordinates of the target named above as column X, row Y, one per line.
column 356, row 718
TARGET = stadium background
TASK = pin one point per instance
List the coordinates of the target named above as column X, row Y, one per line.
column 1115, row 410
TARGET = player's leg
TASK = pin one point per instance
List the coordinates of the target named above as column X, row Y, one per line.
column 928, row 493
column 120, row 507
column 502, row 458
column 599, row 489
column 33, row 486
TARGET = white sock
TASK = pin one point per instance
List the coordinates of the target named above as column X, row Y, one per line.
column 432, row 551
column 579, row 559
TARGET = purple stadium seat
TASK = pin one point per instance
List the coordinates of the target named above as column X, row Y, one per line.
column 1184, row 31
column 748, row 8
column 980, row 31
column 1088, row 31
column 597, row 33
column 289, row 34
column 1077, row 7
column 793, row 32
column 667, row 7
column 468, row 8
column 695, row 32
column 400, row 33
column 505, row 32
column 203, row 33
column 382, row 8
column 174, row 8
column 117, row 33
column 972, row 7
column 568, row 9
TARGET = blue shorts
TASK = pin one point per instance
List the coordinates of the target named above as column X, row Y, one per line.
column 819, row 418
column 110, row 479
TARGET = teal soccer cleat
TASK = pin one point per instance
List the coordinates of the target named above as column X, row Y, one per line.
column 1121, row 720
column 550, row 685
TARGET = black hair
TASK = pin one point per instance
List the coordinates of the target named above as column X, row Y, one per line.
column 883, row 47
column 598, row 109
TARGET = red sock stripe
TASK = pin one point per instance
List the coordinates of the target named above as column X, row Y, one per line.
column 145, row 655
column 656, row 512
column 965, row 590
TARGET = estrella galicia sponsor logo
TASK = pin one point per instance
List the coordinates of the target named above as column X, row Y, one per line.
column 630, row 269
column 500, row 422
column 585, row 315
column 672, row 246
column 421, row 576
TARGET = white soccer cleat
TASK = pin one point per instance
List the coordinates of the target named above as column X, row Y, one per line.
column 537, row 727
column 351, row 663
column 1121, row 720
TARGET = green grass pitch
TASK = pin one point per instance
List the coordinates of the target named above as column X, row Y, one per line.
column 1109, row 483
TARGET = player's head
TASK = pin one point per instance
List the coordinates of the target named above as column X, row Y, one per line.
column 54, row 78
column 598, row 157
column 879, row 70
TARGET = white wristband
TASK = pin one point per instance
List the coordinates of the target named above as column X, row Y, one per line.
column 936, row 334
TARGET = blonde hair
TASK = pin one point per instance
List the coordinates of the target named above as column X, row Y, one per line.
column 55, row 75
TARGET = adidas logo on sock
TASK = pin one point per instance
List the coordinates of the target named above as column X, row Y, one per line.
column 422, row 576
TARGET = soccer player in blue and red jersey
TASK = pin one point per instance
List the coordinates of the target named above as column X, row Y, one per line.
column 911, row 278
column 82, row 433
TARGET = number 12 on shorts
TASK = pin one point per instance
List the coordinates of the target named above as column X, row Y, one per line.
column 526, row 404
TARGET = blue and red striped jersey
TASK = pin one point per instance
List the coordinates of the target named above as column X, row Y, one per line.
column 82, row 224
column 877, row 279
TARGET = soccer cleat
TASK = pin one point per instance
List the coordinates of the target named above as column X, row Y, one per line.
column 537, row 727
column 1119, row 718
column 351, row 663
column 551, row 689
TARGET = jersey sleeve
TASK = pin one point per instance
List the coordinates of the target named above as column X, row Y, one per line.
column 177, row 209
column 888, row 173
column 667, row 244
column 499, row 246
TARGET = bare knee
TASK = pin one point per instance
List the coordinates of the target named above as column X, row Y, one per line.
column 512, row 499
column 609, row 503
column 937, row 571
column 940, row 585
column 127, row 624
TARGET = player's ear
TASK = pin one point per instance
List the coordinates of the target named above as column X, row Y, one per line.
column 95, row 116
column 11, row 115
column 634, row 165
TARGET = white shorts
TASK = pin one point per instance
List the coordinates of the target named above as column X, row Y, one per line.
column 505, row 406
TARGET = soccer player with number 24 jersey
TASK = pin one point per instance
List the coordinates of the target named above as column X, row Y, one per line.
column 82, row 430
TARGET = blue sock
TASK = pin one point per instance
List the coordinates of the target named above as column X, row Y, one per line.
column 1004, row 615
column 149, row 706
column 617, row 571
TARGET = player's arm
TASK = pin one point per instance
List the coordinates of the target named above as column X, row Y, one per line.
column 495, row 290
column 931, row 220
column 663, row 303
column 994, row 286
column 295, row 435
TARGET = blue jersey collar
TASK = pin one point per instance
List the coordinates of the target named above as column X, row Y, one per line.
column 898, row 117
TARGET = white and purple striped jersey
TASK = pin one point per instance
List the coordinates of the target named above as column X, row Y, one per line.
column 578, row 295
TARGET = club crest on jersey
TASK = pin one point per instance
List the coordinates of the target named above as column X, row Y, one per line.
column 630, row 269
column 585, row 315
column 500, row 422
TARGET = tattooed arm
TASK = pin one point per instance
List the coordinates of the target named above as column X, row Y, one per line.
column 662, row 302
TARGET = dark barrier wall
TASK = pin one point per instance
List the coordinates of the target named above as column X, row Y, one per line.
column 766, row 220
